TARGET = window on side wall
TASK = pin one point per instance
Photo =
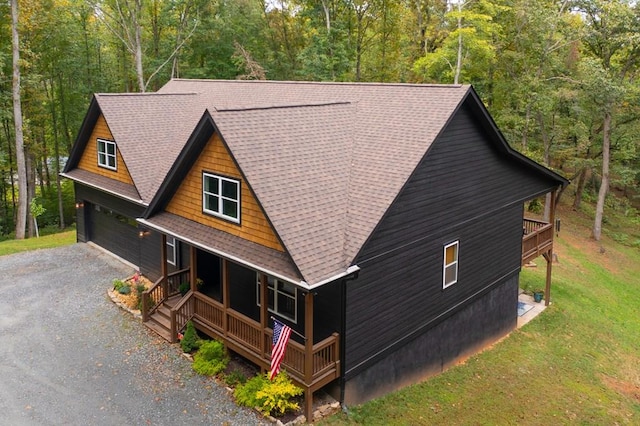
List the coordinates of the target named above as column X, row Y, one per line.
column 282, row 298
column 450, row 264
column 221, row 197
column 172, row 255
column 107, row 154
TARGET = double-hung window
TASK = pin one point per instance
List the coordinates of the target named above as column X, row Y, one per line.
column 282, row 298
column 107, row 154
column 450, row 267
column 221, row 197
column 172, row 255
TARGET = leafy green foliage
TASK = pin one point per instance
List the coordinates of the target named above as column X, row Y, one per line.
column 189, row 341
column 236, row 377
column 184, row 288
column 210, row 359
column 125, row 289
column 271, row 397
column 118, row 284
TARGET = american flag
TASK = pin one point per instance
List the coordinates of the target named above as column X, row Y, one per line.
column 281, row 333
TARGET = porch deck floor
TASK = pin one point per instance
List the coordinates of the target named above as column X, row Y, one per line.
column 536, row 308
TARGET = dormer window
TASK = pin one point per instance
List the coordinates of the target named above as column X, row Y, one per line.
column 107, row 154
column 221, row 197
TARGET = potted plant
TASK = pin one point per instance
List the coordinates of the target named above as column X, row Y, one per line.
column 538, row 295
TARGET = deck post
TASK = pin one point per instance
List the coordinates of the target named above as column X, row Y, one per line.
column 549, row 254
column 163, row 266
column 193, row 272
column 225, row 299
column 264, row 314
column 308, row 356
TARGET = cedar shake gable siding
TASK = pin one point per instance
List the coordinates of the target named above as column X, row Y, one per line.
column 149, row 129
column 89, row 159
column 187, row 201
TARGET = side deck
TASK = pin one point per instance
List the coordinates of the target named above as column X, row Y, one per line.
column 537, row 239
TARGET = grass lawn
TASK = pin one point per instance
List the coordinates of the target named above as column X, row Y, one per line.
column 576, row 363
column 47, row 241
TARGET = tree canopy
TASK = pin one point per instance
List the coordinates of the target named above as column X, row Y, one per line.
column 559, row 76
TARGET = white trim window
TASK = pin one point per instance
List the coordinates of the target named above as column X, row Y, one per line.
column 221, row 197
column 283, row 298
column 172, row 253
column 450, row 264
column 107, row 154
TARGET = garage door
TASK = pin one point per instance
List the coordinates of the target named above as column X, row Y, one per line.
column 114, row 232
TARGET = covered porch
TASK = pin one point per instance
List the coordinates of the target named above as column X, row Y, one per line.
column 225, row 308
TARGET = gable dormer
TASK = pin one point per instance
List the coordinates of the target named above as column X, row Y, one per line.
column 215, row 193
column 102, row 156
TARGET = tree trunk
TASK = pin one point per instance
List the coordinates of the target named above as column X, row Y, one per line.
column 456, row 77
column 604, row 184
column 56, row 151
column 582, row 180
column 31, row 190
column 23, row 201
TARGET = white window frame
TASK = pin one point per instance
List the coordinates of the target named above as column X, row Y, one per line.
column 104, row 156
column 454, row 264
column 172, row 254
column 221, row 198
column 273, row 284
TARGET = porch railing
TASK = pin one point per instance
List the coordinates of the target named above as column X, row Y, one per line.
column 247, row 337
column 155, row 295
column 537, row 238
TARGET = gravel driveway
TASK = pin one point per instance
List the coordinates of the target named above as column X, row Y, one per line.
column 69, row 356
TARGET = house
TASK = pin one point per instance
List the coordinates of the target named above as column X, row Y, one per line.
column 384, row 222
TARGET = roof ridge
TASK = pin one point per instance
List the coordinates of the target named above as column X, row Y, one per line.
column 143, row 94
column 326, row 83
column 283, row 106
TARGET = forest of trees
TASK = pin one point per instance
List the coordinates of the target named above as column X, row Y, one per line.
column 559, row 77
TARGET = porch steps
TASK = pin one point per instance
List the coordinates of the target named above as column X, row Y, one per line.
column 160, row 320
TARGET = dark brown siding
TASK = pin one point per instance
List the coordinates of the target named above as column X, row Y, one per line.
column 465, row 189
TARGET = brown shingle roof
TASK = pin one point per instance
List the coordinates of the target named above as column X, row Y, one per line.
column 263, row 258
column 150, row 131
column 325, row 160
column 105, row 184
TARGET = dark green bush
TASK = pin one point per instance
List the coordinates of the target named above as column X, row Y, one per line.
column 184, row 288
column 189, row 341
column 210, row 359
column 125, row 289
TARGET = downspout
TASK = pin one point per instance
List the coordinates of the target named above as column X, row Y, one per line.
column 343, row 332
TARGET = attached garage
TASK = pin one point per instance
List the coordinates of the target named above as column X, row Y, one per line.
column 113, row 231
column 115, row 228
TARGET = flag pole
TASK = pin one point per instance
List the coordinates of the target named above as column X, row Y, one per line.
column 301, row 336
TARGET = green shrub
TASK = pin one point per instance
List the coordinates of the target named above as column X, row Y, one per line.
column 189, row 341
column 246, row 394
column 270, row 397
column 125, row 289
column 235, row 378
column 210, row 359
column 118, row 284
column 184, row 288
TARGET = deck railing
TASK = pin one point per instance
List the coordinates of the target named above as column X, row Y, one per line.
column 537, row 238
column 155, row 295
column 247, row 337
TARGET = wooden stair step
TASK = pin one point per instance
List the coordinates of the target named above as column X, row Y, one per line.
column 159, row 329
column 162, row 320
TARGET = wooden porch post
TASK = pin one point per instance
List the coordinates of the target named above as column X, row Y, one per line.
column 549, row 254
column 193, row 271
column 163, row 265
column 264, row 315
column 225, row 299
column 308, row 356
